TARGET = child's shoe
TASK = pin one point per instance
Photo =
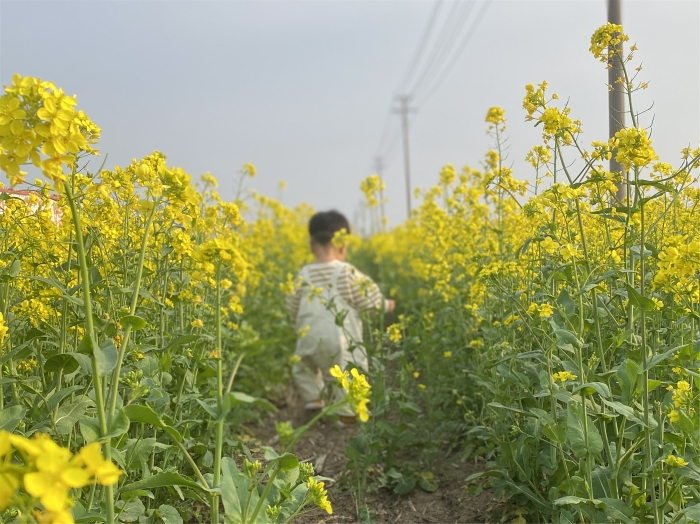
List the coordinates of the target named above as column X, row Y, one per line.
column 314, row 405
column 345, row 421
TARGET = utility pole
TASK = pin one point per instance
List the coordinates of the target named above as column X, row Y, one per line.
column 404, row 110
column 379, row 169
column 616, row 96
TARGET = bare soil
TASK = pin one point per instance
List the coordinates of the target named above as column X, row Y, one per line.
column 324, row 446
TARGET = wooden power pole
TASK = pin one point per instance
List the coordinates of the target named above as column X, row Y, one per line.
column 404, row 110
column 616, row 96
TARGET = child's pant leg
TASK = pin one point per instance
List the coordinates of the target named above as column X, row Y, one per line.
column 308, row 378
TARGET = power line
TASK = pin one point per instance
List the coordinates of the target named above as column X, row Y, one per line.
column 409, row 73
column 452, row 28
column 421, row 46
column 459, row 50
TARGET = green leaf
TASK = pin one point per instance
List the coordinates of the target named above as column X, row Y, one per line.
column 657, row 359
column 146, row 415
column 130, row 511
column 563, row 501
column 89, row 428
column 427, row 485
column 286, row 462
column 566, row 303
column 618, row 511
column 84, row 361
column 14, row 268
column 575, row 433
column 405, row 485
column 68, row 415
column 105, row 355
column 90, row 518
column 235, row 490
column 555, row 433
column 11, row 417
column 134, row 322
column 118, row 426
column 182, row 339
column 567, row 338
column 686, row 423
column 625, row 411
column 65, row 362
column 240, row 397
column 55, row 399
column 594, row 387
column 211, row 408
column 162, row 480
column 638, row 300
column 168, row 515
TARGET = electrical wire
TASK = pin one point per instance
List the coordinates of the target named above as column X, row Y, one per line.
column 444, row 73
column 421, row 46
column 451, row 31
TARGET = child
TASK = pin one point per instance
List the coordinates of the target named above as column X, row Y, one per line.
column 329, row 287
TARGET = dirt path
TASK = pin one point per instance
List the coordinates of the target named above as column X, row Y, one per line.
column 324, row 446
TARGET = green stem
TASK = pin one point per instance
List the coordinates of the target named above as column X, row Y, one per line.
column 114, row 384
column 263, row 496
column 219, row 397
column 90, row 332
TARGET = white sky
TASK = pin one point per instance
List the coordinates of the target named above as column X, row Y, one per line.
column 302, row 89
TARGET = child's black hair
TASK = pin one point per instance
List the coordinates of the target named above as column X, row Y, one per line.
column 324, row 224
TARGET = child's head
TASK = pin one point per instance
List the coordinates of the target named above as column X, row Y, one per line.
column 322, row 227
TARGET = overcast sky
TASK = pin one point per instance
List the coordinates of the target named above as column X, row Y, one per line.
column 303, row 89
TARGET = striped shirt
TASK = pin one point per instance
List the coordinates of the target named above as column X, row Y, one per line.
column 357, row 289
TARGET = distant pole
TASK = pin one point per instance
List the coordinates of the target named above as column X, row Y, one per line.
column 379, row 169
column 616, row 96
column 404, row 110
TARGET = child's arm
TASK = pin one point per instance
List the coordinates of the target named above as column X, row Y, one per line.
column 366, row 294
column 292, row 300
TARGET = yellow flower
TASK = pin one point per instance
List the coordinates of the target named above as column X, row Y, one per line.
column 197, row 323
column 318, row 495
column 569, row 252
column 104, row 471
column 303, row 331
column 341, row 238
column 496, row 115
column 371, row 187
column 416, row 374
column 545, row 310
column 447, row 354
column 54, row 474
column 563, row 376
column 675, row 462
column 3, row 329
column 606, row 40
column 421, row 386
column 394, row 332
column 342, row 376
column 634, row 147
column 673, row 416
column 549, row 245
column 681, row 395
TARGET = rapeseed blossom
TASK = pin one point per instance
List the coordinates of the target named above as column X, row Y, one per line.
column 357, row 388
column 394, row 332
column 673, row 461
column 49, row 471
column 318, row 495
column 563, row 376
